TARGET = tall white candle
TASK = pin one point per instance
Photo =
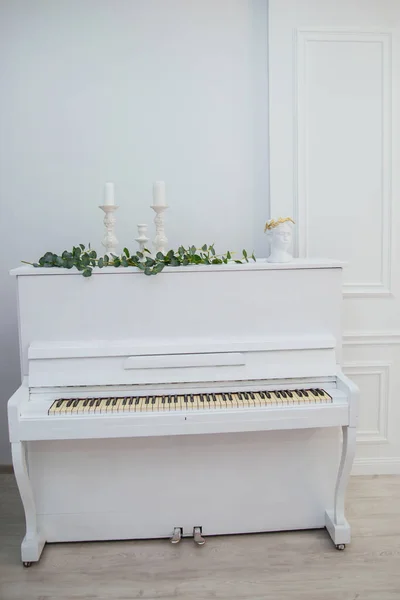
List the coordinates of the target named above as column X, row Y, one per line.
column 159, row 198
column 109, row 199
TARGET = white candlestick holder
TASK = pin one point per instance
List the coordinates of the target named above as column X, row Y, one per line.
column 142, row 238
column 160, row 241
column 109, row 241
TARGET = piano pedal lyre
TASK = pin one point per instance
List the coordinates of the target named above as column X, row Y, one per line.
column 197, row 537
column 177, row 535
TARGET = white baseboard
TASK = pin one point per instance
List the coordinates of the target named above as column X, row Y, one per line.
column 376, row 466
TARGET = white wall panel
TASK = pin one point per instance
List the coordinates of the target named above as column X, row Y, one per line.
column 334, row 149
column 343, row 153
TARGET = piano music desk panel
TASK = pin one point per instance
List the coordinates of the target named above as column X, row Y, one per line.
column 242, row 420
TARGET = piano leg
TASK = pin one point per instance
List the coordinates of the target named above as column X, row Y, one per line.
column 32, row 544
column 335, row 520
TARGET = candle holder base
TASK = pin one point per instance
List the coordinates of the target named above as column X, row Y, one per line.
column 110, row 241
column 160, row 241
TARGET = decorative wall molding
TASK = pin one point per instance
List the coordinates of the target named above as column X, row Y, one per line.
column 376, row 338
column 302, row 39
column 381, row 370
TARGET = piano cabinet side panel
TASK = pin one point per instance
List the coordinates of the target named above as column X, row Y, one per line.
column 253, row 304
column 143, row 488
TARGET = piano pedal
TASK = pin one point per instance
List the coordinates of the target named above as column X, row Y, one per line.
column 177, row 535
column 197, row 537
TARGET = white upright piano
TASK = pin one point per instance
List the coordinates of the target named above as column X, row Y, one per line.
column 201, row 401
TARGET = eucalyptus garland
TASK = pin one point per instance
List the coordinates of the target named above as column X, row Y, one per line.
column 85, row 259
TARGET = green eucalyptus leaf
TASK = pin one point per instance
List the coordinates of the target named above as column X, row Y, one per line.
column 93, row 254
column 139, row 254
column 117, row 262
column 100, row 263
column 87, row 272
column 204, row 248
column 126, row 251
column 82, row 246
column 106, row 260
column 147, row 271
column 160, row 256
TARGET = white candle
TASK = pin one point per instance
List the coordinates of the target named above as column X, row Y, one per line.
column 159, row 194
column 109, row 194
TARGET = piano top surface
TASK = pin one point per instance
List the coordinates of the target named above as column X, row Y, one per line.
column 260, row 264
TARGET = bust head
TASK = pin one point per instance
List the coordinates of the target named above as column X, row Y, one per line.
column 280, row 235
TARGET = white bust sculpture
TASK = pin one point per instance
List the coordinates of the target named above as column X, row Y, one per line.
column 280, row 235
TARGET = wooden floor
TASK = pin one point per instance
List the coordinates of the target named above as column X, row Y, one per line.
column 282, row 566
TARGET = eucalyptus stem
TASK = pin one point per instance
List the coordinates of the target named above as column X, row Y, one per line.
column 85, row 259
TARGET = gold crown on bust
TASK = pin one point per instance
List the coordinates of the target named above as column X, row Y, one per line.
column 274, row 223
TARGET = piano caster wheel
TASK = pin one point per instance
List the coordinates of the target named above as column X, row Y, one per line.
column 27, row 564
column 197, row 537
column 340, row 546
column 177, row 536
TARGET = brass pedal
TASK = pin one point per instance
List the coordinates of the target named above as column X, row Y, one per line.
column 177, row 535
column 197, row 537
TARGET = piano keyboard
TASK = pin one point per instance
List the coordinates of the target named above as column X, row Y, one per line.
column 75, row 406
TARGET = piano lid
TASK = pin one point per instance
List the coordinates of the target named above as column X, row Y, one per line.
column 260, row 264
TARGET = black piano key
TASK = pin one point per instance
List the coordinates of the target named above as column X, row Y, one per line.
column 169, row 399
column 137, row 401
column 252, row 396
column 191, row 398
column 268, row 394
column 315, row 392
column 320, row 392
column 186, row 399
column 131, row 401
column 277, row 394
column 163, row 400
column 147, row 401
column 75, row 403
column 246, row 395
column 69, row 403
column 299, row 393
column 305, row 393
column 108, row 402
column 283, row 394
column 92, row 402
column 114, row 402
column 59, row 402
column 289, row 393
column 175, row 399
column 86, row 402
column 214, row 397
column 201, row 398
column 230, row 398
column 261, row 394
column 153, row 400
column 124, row 401
column 239, row 395
column 98, row 401
column 225, row 397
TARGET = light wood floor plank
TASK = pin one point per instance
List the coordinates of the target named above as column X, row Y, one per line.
column 276, row 566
